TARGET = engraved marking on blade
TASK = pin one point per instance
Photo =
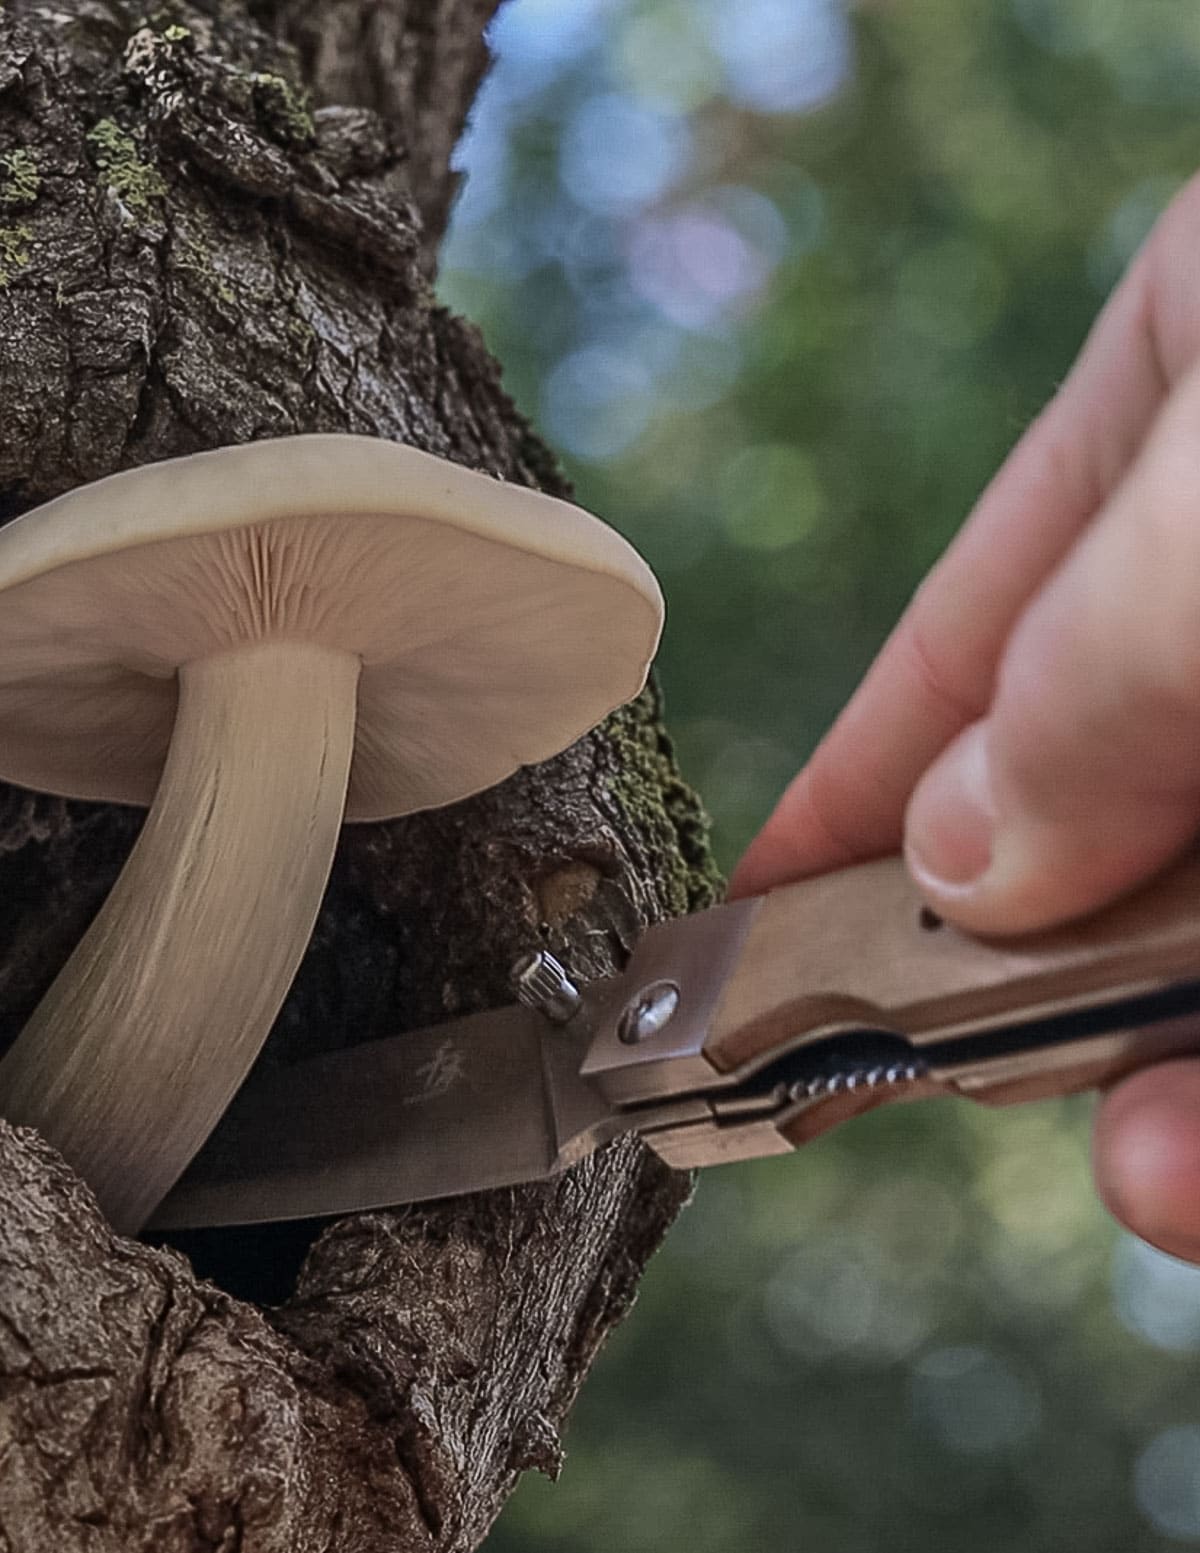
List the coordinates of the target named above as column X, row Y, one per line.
column 439, row 1075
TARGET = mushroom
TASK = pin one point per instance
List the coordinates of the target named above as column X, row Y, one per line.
column 253, row 641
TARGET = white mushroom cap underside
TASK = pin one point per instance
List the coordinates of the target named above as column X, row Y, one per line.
column 495, row 625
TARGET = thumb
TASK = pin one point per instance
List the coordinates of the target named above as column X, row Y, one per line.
column 1084, row 776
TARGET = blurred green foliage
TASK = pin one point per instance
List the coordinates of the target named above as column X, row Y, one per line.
column 784, row 284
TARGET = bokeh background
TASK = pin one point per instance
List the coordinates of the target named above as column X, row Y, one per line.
column 783, row 281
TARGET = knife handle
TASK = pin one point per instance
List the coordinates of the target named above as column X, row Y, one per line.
column 859, row 948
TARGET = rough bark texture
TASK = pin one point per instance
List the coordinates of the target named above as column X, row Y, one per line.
column 192, row 253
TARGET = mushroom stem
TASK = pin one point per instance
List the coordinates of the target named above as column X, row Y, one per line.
column 134, row 1053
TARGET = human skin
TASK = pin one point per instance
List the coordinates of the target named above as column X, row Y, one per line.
column 1030, row 732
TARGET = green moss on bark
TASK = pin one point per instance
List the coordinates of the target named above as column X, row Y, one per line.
column 14, row 252
column 193, row 257
column 284, row 109
column 655, row 800
column 126, row 174
column 19, row 178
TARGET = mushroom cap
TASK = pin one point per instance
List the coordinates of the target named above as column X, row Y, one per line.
column 495, row 625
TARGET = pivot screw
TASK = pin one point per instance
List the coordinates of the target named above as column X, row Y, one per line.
column 648, row 1012
column 543, row 984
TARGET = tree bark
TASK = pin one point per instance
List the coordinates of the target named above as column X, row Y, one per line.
column 218, row 223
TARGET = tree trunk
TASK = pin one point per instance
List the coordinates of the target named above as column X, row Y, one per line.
column 192, row 255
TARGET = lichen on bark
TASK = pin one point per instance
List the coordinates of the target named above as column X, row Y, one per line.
column 222, row 223
column 19, row 178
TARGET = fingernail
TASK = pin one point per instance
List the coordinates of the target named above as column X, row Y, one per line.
column 951, row 819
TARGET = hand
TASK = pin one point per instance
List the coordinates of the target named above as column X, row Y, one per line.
column 1031, row 730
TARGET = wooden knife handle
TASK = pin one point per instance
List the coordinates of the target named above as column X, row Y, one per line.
column 859, row 948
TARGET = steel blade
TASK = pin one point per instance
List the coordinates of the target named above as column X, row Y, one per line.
column 475, row 1103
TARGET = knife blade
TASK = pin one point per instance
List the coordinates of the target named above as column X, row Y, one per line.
column 481, row 1102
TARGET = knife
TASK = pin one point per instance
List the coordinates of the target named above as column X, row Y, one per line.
column 741, row 1031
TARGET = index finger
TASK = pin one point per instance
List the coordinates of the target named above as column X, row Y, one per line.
column 935, row 673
